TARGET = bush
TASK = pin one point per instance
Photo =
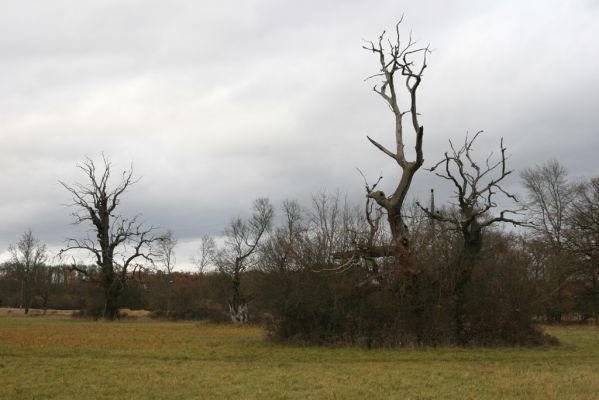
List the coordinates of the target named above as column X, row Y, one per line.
column 208, row 312
column 343, row 309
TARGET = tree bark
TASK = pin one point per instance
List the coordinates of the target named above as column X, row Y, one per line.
column 238, row 308
column 111, row 293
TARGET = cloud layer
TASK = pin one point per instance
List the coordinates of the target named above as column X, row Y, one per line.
column 218, row 105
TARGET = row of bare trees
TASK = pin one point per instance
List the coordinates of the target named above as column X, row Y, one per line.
column 322, row 239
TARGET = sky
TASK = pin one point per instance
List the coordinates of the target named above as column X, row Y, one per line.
column 218, row 103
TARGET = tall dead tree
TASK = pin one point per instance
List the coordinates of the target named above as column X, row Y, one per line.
column 402, row 65
column 120, row 243
column 475, row 188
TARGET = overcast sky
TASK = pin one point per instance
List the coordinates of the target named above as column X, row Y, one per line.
column 218, row 103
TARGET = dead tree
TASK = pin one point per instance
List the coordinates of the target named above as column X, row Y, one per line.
column 121, row 244
column 475, row 187
column 238, row 254
column 402, row 65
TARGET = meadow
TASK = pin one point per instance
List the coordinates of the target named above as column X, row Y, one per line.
column 56, row 357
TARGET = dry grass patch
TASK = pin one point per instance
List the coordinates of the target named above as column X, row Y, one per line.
column 33, row 312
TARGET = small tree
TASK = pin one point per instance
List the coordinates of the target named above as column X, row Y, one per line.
column 166, row 257
column 549, row 198
column 45, row 279
column 280, row 252
column 205, row 254
column 120, row 243
column 28, row 256
column 239, row 253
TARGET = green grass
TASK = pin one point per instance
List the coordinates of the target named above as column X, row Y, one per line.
column 52, row 358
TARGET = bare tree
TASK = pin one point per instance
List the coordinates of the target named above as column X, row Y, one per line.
column 45, row 279
column 549, row 199
column 549, row 195
column 339, row 231
column 475, row 185
column 206, row 253
column 166, row 257
column 242, row 238
column 28, row 256
column 475, row 189
column 205, row 257
column 121, row 244
column 281, row 252
column 402, row 65
column 363, row 239
column 582, row 240
column 327, row 219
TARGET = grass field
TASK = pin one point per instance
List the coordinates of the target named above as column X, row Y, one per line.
column 64, row 358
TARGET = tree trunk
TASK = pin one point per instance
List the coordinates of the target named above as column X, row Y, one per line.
column 26, row 295
column 460, row 303
column 111, row 309
column 238, row 308
column 111, row 293
column 169, row 294
column 595, row 297
column 472, row 237
column 22, row 296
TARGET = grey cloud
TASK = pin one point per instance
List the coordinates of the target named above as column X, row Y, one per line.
column 217, row 105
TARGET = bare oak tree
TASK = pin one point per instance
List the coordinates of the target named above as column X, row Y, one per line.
column 121, row 244
column 476, row 185
column 28, row 256
column 402, row 65
column 238, row 254
column 475, row 189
